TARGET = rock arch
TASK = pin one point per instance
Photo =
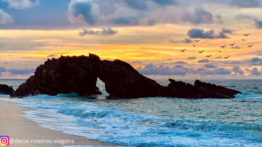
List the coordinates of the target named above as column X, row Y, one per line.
column 79, row 75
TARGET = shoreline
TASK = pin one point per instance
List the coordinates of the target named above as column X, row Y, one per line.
column 19, row 128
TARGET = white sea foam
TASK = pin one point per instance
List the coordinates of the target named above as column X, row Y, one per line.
column 248, row 95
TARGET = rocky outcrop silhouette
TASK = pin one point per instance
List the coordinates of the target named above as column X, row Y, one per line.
column 4, row 89
column 64, row 75
column 222, row 91
column 199, row 90
column 79, row 75
column 26, row 88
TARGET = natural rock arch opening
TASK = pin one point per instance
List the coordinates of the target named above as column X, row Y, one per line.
column 102, row 87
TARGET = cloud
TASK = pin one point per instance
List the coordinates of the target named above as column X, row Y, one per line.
column 108, row 31
column 5, row 17
column 106, row 8
column 210, row 66
column 136, row 62
column 232, row 62
column 218, row 71
column 219, row 17
column 200, row 69
column 203, row 61
column 125, row 20
column 105, row 13
column 21, row 71
column 200, row 16
column 122, row 20
column 223, row 32
column 255, row 61
column 243, row 16
column 22, row 4
column 255, row 72
column 222, row 71
column 258, row 24
column 150, row 69
column 237, row 70
column 52, row 55
column 205, row 72
column 120, row 12
column 191, row 58
column 219, row 57
column 187, row 40
column 2, row 69
column 179, row 66
column 179, row 62
column 151, row 22
column 235, row 47
column 141, row 12
column 104, row 32
column 137, row 4
column 235, row 62
column 88, row 32
column 200, row 33
column 82, row 8
column 212, row 71
column 246, row 3
column 165, row 2
column 229, row 31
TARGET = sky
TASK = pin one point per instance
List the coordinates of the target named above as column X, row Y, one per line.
column 148, row 34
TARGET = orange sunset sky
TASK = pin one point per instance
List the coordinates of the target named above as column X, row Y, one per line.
column 148, row 34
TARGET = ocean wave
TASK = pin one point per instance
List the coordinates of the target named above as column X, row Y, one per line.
column 133, row 129
column 248, row 95
column 151, row 121
column 128, row 128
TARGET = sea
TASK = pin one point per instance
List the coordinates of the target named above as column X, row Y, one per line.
column 153, row 122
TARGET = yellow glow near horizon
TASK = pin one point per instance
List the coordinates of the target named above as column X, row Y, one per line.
column 130, row 44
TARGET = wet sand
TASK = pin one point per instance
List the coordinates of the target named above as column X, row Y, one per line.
column 17, row 127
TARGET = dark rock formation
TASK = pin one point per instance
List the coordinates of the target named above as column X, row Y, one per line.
column 26, row 88
column 200, row 90
column 4, row 89
column 181, row 89
column 230, row 93
column 63, row 76
column 79, row 75
column 122, row 80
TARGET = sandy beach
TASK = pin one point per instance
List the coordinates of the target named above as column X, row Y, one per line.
column 19, row 128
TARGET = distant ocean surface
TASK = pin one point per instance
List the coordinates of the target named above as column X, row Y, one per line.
column 153, row 122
